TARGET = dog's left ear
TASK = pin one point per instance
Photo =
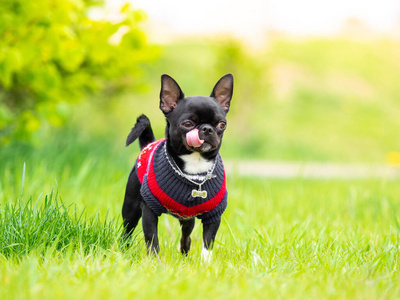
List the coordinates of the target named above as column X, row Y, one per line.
column 223, row 91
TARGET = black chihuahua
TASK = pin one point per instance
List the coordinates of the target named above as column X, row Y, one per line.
column 182, row 174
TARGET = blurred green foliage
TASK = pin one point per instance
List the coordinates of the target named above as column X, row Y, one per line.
column 336, row 98
column 53, row 54
column 310, row 99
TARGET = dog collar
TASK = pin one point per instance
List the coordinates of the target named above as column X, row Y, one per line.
column 208, row 176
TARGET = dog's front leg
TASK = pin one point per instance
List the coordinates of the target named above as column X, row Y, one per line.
column 187, row 228
column 149, row 224
column 209, row 232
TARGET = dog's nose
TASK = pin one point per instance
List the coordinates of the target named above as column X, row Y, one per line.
column 207, row 129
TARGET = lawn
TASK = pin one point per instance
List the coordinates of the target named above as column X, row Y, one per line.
column 292, row 238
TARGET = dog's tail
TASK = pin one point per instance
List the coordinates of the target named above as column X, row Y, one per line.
column 141, row 130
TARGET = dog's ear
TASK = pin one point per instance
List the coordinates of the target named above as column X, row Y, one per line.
column 170, row 94
column 223, row 91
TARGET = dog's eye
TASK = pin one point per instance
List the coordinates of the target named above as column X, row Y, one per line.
column 188, row 124
column 221, row 125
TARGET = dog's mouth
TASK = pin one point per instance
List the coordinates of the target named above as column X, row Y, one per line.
column 204, row 147
column 193, row 142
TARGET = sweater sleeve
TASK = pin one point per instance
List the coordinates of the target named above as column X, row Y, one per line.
column 214, row 215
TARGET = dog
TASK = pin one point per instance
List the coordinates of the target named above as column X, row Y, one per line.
column 182, row 174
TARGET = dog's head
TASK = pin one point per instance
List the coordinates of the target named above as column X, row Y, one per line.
column 195, row 124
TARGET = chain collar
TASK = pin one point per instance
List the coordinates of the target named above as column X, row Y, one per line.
column 208, row 176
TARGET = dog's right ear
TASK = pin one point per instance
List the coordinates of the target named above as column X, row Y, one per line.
column 170, row 94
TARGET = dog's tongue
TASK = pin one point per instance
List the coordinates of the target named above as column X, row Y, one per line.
column 192, row 138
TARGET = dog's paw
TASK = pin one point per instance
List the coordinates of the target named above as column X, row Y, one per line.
column 206, row 255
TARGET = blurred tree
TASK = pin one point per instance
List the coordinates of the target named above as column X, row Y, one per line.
column 53, row 54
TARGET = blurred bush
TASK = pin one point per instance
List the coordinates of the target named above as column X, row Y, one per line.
column 53, row 54
column 308, row 99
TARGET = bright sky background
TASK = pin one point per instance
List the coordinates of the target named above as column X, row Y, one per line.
column 254, row 17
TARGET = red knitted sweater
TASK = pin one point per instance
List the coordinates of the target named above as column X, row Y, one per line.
column 165, row 191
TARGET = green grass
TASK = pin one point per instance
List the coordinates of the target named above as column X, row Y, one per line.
column 49, row 226
column 292, row 238
column 281, row 238
column 86, row 172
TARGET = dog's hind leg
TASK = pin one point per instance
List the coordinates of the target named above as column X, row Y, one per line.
column 187, row 228
column 150, row 229
column 131, row 210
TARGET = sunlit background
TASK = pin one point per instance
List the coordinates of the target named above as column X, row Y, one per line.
column 321, row 53
column 315, row 81
column 255, row 18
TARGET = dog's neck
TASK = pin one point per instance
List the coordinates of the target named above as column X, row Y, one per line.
column 194, row 163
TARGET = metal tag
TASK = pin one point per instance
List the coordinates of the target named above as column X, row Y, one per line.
column 199, row 193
